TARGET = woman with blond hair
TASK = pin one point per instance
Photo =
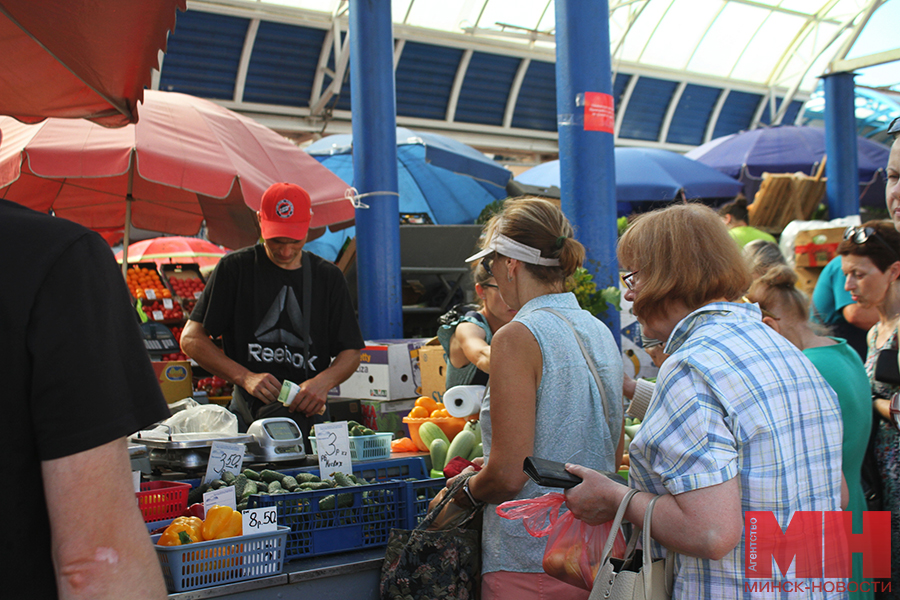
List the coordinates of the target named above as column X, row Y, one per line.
column 555, row 390
column 739, row 421
column 786, row 310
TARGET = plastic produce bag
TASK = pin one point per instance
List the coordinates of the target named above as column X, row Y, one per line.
column 202, row 418
column 574, row 548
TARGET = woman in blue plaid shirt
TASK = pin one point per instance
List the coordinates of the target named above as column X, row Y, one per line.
column 740, row 420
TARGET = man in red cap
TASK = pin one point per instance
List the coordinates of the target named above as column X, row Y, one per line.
column 283, row 314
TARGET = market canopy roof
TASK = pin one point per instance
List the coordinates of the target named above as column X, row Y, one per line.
column 685, row 71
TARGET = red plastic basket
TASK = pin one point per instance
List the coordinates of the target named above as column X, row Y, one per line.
column 160, row 500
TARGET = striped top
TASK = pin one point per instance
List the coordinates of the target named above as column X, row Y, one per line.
column 736, row 399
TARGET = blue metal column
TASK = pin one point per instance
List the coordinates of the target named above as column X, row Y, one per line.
column 586, row 146
column 841, row 168
column 375, row 168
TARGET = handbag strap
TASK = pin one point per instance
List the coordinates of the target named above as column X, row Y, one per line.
column 616, row 526
column 647, row 569
column 590, row 364
column 451, row 492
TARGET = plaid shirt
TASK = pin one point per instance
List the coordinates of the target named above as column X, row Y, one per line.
column 737, row 399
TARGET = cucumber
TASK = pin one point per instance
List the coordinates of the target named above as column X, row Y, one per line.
column 438, row 451
column 314, row 485
column 249, row 489
column 326, row 502
column 461, row 445
column 240, row 483
column 289, row 483
column 475, row 427
column 428, row 432
column 251, row 474
column 268, row 476
column 342, row 480
column 274, row 486
column 304, row 477
column 477, row 452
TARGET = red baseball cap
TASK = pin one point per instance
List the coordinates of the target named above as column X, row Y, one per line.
column 285, row 211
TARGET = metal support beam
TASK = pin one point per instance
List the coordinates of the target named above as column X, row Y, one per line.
column 241, row 79
column 514, row 92
column 374, row 108
column 670, row 112
column 623, row 105
column 714, row 116
column 458, row 83
column 586, row 145
column 842, row 187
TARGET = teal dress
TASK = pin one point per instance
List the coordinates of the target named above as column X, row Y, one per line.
column 844, row 371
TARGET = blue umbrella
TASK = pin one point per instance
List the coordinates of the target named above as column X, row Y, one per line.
column 786, row 149
column 649, row 175
column 445, row 179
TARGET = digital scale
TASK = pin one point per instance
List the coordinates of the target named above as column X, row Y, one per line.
column 276, row 439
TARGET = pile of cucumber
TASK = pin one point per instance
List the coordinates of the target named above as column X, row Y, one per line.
column 270, row 483
column 466, row 444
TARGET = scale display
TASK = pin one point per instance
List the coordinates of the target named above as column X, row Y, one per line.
column 282, row 430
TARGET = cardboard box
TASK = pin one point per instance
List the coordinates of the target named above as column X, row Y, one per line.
column 433, row 364
column 174, row 379
column 807, row 278
column 816, row 247
column 387, row 415
column 388, row 370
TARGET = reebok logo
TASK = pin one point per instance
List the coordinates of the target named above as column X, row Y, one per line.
column 273, row 331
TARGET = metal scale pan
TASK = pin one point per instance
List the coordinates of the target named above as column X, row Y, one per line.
column 187, row 451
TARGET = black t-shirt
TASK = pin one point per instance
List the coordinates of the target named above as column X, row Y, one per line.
column 256, row 307
column 75, row 372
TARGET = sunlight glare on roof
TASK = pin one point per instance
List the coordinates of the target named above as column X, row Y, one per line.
column 673, row 42
column 765, row 49
column 723, row 43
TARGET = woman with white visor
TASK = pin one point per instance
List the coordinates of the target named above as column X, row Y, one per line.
column 555, row 390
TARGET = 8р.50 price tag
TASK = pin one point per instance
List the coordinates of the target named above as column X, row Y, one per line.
column 260, row 520
column 224, row 456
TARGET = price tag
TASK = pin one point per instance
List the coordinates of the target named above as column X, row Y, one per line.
column 333, row 448
column 224, row 496
column 151, row 294
column 197, row 295
column 224, row 457
column 136, row 479
column 157, row 315
column 167, row 303
column 260, row 520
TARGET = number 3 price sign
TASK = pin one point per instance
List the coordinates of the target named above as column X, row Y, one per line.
column 260, row 520
column 224, row 457
column 333, row 448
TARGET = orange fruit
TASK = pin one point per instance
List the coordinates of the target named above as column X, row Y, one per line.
column 439, row 412
column 427, row 403
column 439, row 405
column 418, row 412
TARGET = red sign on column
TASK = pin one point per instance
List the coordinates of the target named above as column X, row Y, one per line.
column 599, row 114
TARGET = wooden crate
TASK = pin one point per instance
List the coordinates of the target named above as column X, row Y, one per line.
column 785, row 197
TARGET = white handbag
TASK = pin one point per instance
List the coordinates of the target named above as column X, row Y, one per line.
column 637, row 576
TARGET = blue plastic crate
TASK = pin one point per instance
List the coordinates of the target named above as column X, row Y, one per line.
column 417, row 495
column 356, row 517
column 217, row 562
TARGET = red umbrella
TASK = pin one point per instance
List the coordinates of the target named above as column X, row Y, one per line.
column 175, row 249
column 187, row 160
column 80, row 58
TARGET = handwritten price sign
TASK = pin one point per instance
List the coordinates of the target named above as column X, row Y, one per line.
column 260, row 520
column 223, row 457
column 221, row 497
column 333, row 448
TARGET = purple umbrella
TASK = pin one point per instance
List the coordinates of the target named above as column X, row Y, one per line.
column 787, row 149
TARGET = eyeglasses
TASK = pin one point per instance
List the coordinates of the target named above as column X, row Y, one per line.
column 860, row 235
column 764, row 312
column 487, row 263
column 628, row 280
column 894, row 127
column 493, row 285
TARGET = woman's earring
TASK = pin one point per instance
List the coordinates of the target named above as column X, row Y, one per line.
column 508, row 277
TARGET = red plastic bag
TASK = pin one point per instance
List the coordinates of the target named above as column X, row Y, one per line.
column 574, row 548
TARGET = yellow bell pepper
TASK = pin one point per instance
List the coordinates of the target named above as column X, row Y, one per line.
column 183, row 530
column 222, row 522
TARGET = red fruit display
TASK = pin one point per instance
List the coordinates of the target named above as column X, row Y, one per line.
column 187, row 286
column 214, row 386
column 156, row 310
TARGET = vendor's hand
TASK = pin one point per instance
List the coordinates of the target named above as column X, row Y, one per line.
column 478, row 462
column 596, row 499
column 264, row 386
column 310, row 400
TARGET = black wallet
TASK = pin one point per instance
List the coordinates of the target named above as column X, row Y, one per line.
column 887, row 369
column 549, row 473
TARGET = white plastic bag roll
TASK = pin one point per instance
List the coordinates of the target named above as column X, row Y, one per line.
column 463, row 400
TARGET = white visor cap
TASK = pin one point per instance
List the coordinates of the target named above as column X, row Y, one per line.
column 513, row 249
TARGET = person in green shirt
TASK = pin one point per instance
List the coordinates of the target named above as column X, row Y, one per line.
column 736, row 218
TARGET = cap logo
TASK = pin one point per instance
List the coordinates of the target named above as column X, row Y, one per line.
column 284, row 208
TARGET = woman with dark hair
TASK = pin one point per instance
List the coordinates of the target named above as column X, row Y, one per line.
column 555, row 390
column 733, row 405
column 466, row 339
column 737, row 219
column 870, row 259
